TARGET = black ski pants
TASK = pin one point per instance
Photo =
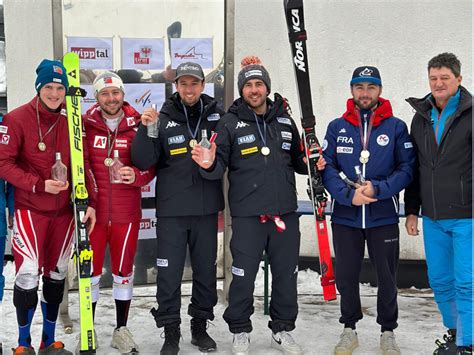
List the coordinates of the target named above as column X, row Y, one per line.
column 384, row 247
column 174, row 234
column 250, row 239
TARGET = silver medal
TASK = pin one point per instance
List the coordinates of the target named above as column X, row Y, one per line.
column 192, row 143
column 108, row 162
column 265, row 151
column 41, row 146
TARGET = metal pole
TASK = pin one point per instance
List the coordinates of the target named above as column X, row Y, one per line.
column 57, row 19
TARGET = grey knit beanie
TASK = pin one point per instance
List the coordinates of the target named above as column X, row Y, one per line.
column 252, row 68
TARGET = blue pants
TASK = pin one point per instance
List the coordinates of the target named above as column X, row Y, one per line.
column 3, row 239
column 448, row 248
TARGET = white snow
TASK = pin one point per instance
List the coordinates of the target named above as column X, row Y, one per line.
column 317, row 327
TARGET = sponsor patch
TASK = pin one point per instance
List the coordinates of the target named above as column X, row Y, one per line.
column 238, row 272
column 130, row 121
column 383, row 140
column 3, row 129
column 179, row 151
column 100, row 142
column 408, row 145
column 345, row 140
column 5, row 139
column 325, row 144
column 253, row 72
column 246, row 139
column 57, row 80
column 241, row 124
column 171, row 124
column 284, row 120
column 176, row 139
column 121, row 143
column 162, row 262
column 286, row 135
column 344, row 150
column 249, row 150
column 214, row 117
column 286, row 146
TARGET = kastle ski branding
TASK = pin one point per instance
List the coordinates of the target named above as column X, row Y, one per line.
column 316, row 192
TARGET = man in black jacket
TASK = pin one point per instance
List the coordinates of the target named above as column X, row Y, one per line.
column 186, row 206
column 441, row 131
column 259, row 142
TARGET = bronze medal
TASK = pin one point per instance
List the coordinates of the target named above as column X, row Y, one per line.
column 41, row 146
column 192, row 143
column 108, row 162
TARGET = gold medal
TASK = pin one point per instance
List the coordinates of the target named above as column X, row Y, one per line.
column 108, row 162
column 41, row 146
column 192, row 143
column 364, row 156
column 265, row 151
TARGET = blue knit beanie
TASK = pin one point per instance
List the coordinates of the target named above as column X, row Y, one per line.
column 50, row 71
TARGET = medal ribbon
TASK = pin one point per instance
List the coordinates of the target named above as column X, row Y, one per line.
column 193, row 135
column 109, row 143
column 40, row 133
column 263, row 136
column 365, row 139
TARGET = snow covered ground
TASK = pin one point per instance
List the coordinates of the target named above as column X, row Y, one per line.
column 317, row 328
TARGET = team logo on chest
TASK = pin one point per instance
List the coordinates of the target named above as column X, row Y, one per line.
column 100, row 142
column 172, row 124
column 284, row 120
column 120, row 143
column 383, row 140
column 130, row 121
column 246, row 139
column 214, row 117
column 346, row 140
column 176, row 139
column 241, row 124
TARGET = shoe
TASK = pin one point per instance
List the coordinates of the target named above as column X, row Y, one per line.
column 388, row 344
column 464, row 350
column 122, row 339
column 449, row 345
column 284, row 342
column 347, row 343
column 24, row 350
column 241, row 344
column 56, row 348
column 172, row 337
column 200, row 338
column 78, row 346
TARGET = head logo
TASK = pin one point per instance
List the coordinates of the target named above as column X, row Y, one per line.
column 366, row 72
column 189, row 54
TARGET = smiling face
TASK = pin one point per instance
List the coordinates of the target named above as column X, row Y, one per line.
column 443, row 84
column 110, row 100
column 255, row 94
column 52, row 95
column 366, row 95
column 189, row 89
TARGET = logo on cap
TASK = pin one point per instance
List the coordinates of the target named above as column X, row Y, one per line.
column 252, row 72
column 366, row 72
column 57, row 69
column 108, row 80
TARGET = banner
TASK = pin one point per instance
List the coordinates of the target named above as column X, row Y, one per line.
column 143, row 53
column 141, row 96
column 197, row 50
column 89, row 99
column 94, row 53
column 149, row 189
column 147, row 224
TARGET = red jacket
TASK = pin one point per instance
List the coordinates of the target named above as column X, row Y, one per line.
column 26, row 167
column 116, row 203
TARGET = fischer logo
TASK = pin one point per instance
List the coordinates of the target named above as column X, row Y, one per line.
column 189, row 54
column 299, row 57
column 143, row 56
column 91, row 53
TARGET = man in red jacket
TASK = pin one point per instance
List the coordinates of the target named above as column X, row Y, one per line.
column 110, row 127
column 30, row 137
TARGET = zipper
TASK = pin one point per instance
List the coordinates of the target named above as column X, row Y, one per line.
column 433, row 193
column 363, row 173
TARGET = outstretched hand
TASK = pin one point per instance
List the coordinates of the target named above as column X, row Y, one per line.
column 204, row 157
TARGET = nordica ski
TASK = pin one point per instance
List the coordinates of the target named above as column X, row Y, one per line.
column 83, row 252
column 297, row 34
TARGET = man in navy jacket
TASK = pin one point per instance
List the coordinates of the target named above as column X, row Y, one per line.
column 373, row 151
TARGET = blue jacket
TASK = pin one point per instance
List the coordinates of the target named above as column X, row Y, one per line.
column 389, row 168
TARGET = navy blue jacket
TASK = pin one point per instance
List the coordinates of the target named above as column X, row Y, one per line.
column 390, row 166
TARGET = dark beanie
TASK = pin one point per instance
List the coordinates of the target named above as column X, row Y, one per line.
column 252, row 68
column 50, row 71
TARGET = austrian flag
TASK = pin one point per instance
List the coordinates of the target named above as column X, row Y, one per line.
column 57, row 69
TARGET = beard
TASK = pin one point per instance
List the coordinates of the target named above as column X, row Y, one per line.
column 366, row 105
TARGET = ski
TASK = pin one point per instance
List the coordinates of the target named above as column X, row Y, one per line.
column 83, row 252
column 297, row 35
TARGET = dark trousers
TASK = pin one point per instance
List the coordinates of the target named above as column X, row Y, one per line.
column 249, row 239
column 173, row 236
column 384, row 246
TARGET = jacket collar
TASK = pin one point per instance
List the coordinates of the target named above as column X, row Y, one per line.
column 382, row 112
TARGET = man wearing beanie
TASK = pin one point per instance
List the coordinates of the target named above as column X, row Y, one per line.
column 187, row 206
column 442, row 134
column 110, row 126
column 373, row 149
column 260, row 145
column 31, row 137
